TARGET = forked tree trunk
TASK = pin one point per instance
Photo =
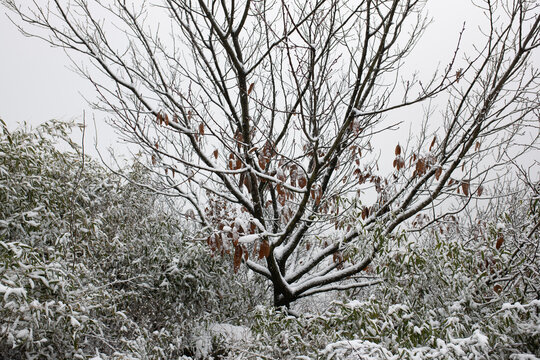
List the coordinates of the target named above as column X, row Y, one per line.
column 281, row 300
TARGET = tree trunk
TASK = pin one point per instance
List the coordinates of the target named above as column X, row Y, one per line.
column 281, row 300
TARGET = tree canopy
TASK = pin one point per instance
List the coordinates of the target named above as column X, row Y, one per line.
column 263, row 117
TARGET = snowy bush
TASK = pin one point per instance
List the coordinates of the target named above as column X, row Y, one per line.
column 94, row 266
column 465, row 288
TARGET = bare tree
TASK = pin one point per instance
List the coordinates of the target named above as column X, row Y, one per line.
column 263, row 114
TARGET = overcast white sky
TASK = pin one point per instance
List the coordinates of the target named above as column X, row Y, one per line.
column 36, row 83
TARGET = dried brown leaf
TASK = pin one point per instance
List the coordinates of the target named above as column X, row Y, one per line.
column 237, row 258
column 465, row 187
column 500, row 241
column 264, row 250
column 438, row 173
column 421, row 167
column 365, row 213
column 302, row 181
column 480, row 190
column 432, row 143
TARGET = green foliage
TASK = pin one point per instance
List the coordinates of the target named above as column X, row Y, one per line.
column 452, row 291
column 92, row 265
column 382, row 330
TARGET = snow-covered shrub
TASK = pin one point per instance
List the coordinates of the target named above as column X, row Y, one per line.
column 464, row 288
column 94, row 266
column 442, row 333
column 280, row 335
column 467, row 286
column 456, row 277
column 42, row 315
column 381, row 330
